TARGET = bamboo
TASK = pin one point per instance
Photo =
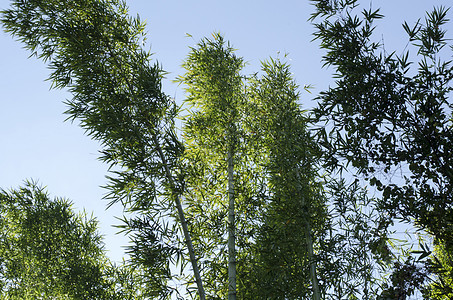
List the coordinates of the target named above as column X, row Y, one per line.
column 314, row 278
column 183, row 221
column 231, row 232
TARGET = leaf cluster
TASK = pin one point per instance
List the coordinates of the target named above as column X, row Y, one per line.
column 48, row 251
column 387, row 113
column 94, row 49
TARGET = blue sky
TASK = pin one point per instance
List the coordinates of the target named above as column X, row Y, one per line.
column 37, row 144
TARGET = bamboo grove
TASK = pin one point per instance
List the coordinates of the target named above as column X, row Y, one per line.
column 244, row 201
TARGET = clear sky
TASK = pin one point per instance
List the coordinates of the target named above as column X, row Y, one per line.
column 36, row 143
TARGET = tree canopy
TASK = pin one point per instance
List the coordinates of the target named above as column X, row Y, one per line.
column 388, row 113
column 245, row 199
column 49, row 252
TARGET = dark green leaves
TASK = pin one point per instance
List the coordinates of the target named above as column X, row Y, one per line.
column 94, row 49
column 389, row 115
column 383, row 118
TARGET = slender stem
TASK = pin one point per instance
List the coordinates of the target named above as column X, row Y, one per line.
column 171, row 181
column 231, row 232
column 183, row 221
column 309, row 241
column 314, row 278
column 181, row 215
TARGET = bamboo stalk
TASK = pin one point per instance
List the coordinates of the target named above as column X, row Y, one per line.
column 314, row 278
column 231, row 231
column 183, row 221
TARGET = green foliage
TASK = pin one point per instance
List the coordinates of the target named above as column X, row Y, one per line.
column 355, row 252
column 383, row 116
column 214, row 94
column 441, row 265
column 388, row 113
column 404, row 281
column 211, row 131
column 293, row 206
column 247, row 170
column 93, row 48
column 49, row 252
column 274, row 173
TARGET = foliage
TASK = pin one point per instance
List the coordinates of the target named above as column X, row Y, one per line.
column 292, row 213
column 354, row 253
column 441, row 264
column 267, row 128
column 49, row 252
column 93, row 48
column 387, row 112
column 404, row 280
column 214, row 92
column 214, row 161
column 247, row 168
column 383, row 117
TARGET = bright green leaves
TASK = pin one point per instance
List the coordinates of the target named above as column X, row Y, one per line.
column 215, row 98
column 442, row 263
column 278, row 116
column 48, row 251
column 214, row 92
column 279, row 209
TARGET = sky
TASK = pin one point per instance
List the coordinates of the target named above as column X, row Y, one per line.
column 36, row 142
